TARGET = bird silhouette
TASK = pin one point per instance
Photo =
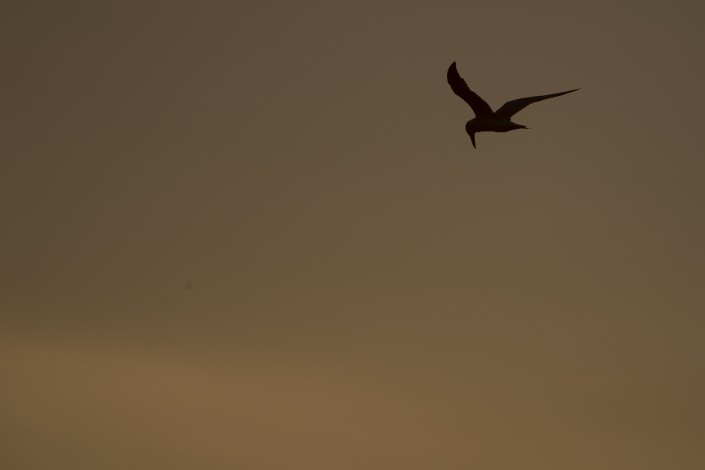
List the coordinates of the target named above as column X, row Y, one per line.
column 485, row 119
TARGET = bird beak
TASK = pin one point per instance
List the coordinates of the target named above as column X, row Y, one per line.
column 472, row 137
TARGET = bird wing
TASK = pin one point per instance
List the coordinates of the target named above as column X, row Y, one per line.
column 510, row 108
column 460, row 88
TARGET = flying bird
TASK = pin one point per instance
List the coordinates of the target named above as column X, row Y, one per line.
column 486, row 119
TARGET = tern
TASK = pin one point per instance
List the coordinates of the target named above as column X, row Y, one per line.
column 486, row 119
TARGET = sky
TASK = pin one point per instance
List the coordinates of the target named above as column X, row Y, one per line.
column 256, row 235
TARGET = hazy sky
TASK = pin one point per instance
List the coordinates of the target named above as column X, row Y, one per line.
column 254, row 235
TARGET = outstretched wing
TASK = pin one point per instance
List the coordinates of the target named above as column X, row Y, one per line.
column 460, row 88
column 510, row 108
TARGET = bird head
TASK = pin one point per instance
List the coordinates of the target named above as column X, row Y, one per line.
column 470, row 129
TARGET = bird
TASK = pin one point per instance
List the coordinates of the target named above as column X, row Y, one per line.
column 485, row 119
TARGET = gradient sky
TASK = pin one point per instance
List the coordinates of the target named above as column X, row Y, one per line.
column 254, row 235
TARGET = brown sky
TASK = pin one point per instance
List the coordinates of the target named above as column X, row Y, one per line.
column 254, row 235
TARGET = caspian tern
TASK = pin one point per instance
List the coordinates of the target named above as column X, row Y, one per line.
column 486, row 119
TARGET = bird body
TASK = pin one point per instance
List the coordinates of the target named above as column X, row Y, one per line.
column 485, row 119
column 489, row 125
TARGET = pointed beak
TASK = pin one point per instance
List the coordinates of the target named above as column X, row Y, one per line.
column 472, row 137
